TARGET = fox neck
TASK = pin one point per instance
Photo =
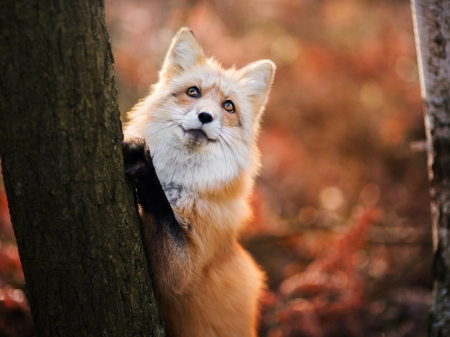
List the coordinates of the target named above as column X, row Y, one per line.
column 201, row 172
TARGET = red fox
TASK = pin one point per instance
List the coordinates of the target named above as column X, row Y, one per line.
column 200, row 123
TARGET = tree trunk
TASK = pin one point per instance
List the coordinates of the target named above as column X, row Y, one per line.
column 432, row 25
column 72, row 209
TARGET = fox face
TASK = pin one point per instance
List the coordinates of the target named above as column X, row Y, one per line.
column 205, row 113
column 200, row 120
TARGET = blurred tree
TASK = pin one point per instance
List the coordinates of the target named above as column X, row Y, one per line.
column 432, row 18
column 73, row 212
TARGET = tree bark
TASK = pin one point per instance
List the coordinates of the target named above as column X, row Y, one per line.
column 72, row 209
column 432, row 30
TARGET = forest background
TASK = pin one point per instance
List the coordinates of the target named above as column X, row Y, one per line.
column 342, row 224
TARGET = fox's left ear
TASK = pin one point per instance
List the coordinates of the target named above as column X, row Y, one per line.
column 257, row 78
column 184, row 53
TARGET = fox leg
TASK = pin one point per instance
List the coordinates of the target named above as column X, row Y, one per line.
column 139, row 167
column 163, row 238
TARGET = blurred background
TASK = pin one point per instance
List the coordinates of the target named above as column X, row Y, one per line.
column 341, row 207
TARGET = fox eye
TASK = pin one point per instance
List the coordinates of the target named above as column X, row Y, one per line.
column 229, row 106
column 193, row 92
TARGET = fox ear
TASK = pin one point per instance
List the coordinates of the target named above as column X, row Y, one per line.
column 257, row 79
column 184, row 53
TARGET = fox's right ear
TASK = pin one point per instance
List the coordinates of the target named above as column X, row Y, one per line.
column 184, row 53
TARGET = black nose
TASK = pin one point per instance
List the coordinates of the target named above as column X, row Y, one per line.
column 205, row 117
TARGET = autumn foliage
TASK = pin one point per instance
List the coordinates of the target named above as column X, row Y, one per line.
column 15, row 318
column 341, row 208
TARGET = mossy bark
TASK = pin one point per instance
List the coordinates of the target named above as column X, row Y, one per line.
column 432, row 25
column 72, row 208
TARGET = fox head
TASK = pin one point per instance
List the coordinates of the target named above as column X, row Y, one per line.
column 201, row 121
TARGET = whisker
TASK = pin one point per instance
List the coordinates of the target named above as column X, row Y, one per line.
column 237, row 150
column 231, row 150
column 223, row 152
column 228, row 133
column 164, row 126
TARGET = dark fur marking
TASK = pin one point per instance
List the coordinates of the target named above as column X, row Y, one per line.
column 173, row 192
column 139, row 167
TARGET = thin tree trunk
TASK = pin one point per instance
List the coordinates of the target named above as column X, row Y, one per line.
column 72, row 210
column 432, row 25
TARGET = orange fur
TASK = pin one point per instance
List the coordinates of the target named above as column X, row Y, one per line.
column 208, row 286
